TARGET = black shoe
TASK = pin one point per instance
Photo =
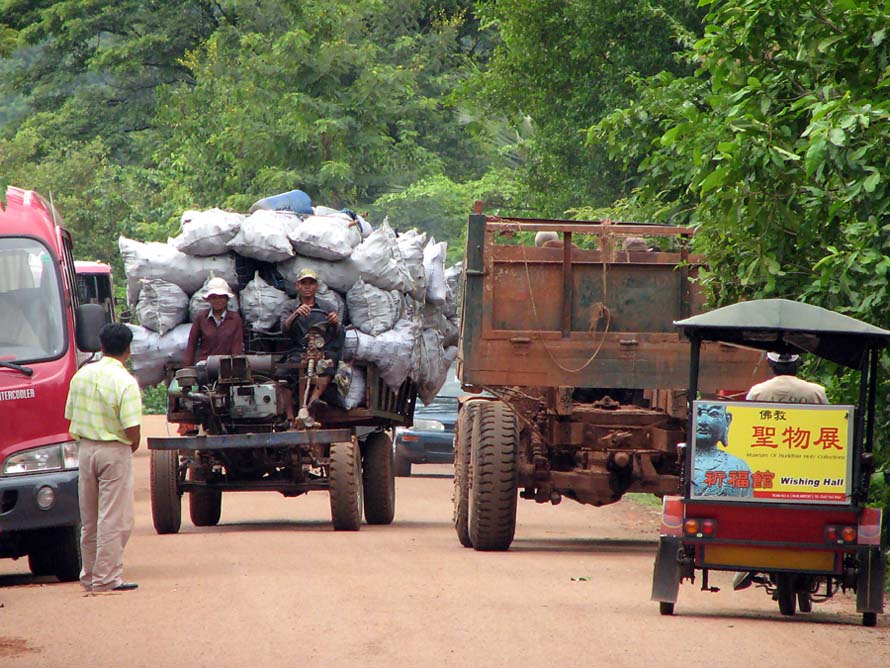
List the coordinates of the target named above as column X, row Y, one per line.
column 126, row 586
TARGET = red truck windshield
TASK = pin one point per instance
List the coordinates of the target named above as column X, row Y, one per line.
column 31, row 322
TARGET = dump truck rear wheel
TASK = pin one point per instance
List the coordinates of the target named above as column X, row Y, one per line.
column 166, row 500
column 346, row 487
column 492, row 477
column 460, row 496
column 378, row 481
column 205, row 505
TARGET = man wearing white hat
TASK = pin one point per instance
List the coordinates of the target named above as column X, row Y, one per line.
column 786, row 387
column 215, row 331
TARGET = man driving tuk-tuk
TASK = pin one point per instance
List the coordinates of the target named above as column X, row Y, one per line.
column 793, row 510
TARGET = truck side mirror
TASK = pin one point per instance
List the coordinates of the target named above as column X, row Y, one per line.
column 88, row 321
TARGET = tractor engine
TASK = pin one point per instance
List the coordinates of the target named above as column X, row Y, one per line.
column 229, row 394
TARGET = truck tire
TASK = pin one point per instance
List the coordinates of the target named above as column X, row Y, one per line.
column 462, row 443
column 57, row 552
column 38, row 561
column 345, row 483
column 166, row 499
column 492, row 477
column 378, row 481
column 205, row 505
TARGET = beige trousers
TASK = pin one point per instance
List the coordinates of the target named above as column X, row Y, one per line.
column 106, row 511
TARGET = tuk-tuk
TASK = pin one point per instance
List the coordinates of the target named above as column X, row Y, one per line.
column 776, row 492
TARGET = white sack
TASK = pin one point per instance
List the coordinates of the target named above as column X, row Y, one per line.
column 350, row 345
column 325, row 237
column 157, row 260
column 149, row 352
column 371, row 309
column 434, row 265
column 390, row 351
column 433, row 366
column 264, row 236
column 207, row 232
column 379, row 261
column 451, row 331
column 339, row 276
column 452, row 284
column 261, row 304
column 161, row 305
column 199, row 302
column 356, row 395
column 411, row 245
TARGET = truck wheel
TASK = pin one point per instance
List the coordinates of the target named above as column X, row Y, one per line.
column 345, row 483
column 38, row 561
column 492, row 477
column 205, row 505
column 65, row 553
column 57, row 552
column 166, row 499
column 378, row 482
column 462, row 444
column 785, row 593
column 402, row 466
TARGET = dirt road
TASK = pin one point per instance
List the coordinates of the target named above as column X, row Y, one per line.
column 275, row 586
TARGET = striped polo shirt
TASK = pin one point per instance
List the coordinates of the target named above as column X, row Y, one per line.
column 103, row 401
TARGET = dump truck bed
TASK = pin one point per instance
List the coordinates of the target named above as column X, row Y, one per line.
column 584, row 312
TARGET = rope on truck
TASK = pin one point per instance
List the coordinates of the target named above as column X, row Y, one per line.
column 599, row 309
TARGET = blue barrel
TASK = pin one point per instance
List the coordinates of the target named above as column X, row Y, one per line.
column 294, row 200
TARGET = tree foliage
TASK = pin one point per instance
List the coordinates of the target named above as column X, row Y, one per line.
column 564, row 65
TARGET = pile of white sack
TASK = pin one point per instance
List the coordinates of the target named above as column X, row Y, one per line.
column 394, row 293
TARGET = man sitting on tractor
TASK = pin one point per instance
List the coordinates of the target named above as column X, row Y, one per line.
column 316, row 338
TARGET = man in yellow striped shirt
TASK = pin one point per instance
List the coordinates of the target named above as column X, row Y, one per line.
column 105, row 409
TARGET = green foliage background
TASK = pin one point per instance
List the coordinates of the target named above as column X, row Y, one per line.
column 761, row 122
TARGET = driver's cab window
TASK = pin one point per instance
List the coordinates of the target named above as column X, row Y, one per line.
column 30, row 321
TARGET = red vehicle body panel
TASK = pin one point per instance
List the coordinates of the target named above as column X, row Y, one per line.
column 37, row 402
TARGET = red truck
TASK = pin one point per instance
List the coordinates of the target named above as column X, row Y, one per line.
column 44, row 334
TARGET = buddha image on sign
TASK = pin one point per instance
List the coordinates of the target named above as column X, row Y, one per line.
column 716, row 471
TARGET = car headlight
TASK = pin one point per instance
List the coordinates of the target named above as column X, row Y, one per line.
column 428, row 425
column 55, row 457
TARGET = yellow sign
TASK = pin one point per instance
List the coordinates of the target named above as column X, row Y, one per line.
column 772, row 452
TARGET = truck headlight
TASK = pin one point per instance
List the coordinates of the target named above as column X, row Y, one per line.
column 56, row 457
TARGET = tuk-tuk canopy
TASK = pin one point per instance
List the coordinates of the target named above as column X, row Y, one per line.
column 784, row 326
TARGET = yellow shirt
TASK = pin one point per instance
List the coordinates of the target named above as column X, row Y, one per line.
column 103, row 401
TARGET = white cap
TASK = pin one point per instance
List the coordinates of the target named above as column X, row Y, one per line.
column 218, row 286
column 782, row 358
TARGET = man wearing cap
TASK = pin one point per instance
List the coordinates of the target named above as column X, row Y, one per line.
column 216, row 331
column 296, row 326
column 786, row 387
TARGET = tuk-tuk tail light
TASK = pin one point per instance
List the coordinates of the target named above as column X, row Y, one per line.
column 840, row 534
column 699, row 528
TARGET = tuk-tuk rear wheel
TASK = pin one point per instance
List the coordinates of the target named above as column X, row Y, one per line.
column 869, row 618
column 786, row 593
column 665, row 608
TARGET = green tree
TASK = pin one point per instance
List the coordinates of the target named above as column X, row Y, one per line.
column 347, row 101
column 564, row 65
